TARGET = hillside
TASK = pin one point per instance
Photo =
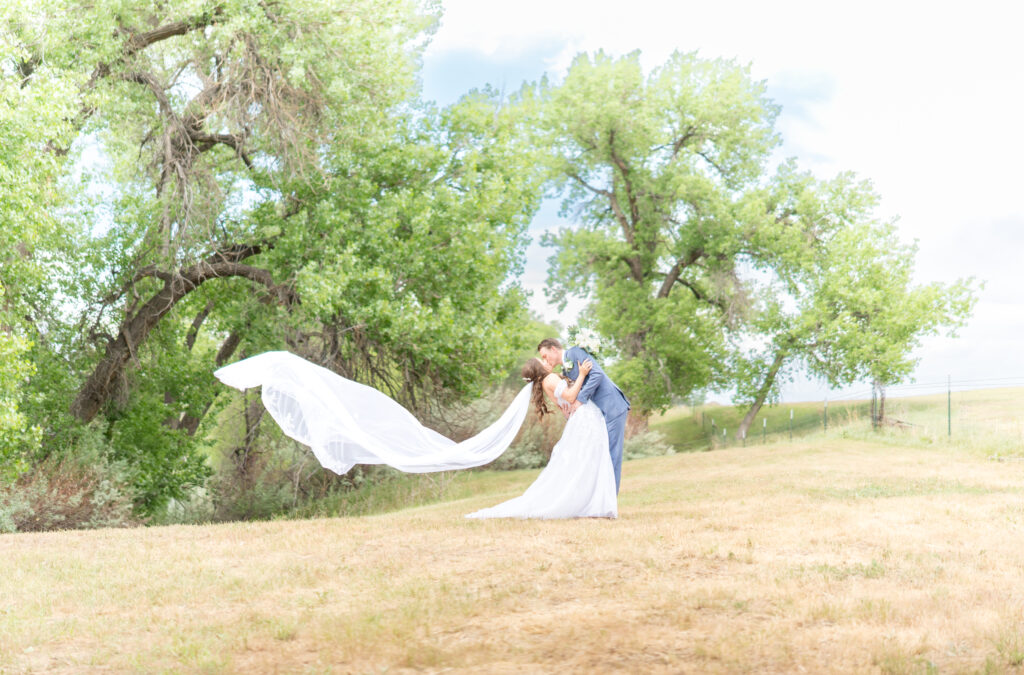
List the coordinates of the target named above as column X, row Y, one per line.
column 980, row 419
column 829, row 554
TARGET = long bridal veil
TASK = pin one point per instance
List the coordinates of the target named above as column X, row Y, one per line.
column 347, row 423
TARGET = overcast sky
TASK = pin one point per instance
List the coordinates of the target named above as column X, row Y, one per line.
column 926, row 99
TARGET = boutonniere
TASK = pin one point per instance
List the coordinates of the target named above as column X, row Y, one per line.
column 567, row 365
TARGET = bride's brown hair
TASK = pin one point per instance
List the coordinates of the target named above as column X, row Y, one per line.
column 534, row 371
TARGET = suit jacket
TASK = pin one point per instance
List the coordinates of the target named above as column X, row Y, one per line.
column 597, row 387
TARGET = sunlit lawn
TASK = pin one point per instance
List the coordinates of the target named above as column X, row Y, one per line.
column 831, row 554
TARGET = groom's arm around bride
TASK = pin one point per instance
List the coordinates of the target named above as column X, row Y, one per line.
column 592, row 381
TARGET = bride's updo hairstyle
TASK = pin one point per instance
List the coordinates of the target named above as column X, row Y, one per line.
column 534, row 371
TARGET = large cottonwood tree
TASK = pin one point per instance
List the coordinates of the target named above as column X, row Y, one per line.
column 262, row 174
column 691, row 248
column 662, row 171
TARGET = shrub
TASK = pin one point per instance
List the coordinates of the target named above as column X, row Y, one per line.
column 65, row 493
column 647, row 443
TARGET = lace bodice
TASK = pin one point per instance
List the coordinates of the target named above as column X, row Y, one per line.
column 564, row 405
column 561, row 387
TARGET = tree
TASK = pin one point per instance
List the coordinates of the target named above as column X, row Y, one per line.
column 841, row 304
column 660, row 171
column 28, row 192
column 267, row 178
column 705, row 269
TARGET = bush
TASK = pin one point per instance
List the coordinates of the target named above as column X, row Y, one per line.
column 281, row 478
column 646, row 443
column 18, row 438
column 67, row 493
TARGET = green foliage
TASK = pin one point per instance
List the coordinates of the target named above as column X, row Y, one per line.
column 72, row 491
column 840, row 301
column 420, row 265
column 704, row 269
column 16, row 436
column 28, row 191
column 145, row 142
column 656, row 169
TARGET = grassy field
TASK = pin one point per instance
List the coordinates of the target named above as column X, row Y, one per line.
column 690, row 429
column 895, row 552
column 983, row 419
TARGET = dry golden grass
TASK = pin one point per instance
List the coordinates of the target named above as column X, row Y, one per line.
column 827, row 555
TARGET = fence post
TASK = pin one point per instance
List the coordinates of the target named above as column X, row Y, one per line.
column 949, row 406
column 764, row 433
column 790, row 425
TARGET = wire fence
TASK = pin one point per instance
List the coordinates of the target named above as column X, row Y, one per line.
column 988, row 412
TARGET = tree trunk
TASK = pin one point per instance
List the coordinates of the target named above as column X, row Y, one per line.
column 881, row 404
column 762, row 394
column 636, row 423
column 244, row 456
column 101, row 384
column 877, row 404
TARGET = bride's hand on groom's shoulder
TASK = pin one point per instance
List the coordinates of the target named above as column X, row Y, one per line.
column 586, row 367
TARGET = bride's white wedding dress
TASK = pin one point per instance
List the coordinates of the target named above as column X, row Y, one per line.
column 347, row 423
column 579, row 480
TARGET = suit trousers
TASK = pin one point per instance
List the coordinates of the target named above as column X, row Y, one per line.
column 616, row 436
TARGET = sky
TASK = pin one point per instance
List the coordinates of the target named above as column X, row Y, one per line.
column 925, row 99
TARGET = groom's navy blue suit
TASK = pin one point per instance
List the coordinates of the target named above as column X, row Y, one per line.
column 606, row 396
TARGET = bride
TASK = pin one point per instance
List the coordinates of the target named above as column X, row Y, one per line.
column 347, row 423
column 579, row 480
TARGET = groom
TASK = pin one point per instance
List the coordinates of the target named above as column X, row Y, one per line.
column 597, row 387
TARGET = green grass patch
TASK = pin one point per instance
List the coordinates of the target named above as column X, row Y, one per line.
column 988, row 421
column 701, row 428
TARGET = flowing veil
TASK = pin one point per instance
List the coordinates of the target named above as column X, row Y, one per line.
column 347, row 423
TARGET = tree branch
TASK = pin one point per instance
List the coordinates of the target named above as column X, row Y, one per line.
column 710, row 161
column 193, row 331
column 701, row 294
column 207, row 141
column 620, row 216
column 677, row 269
column 135, row 329
column 150, row 81
column 135, row 43
column 623, row 167
column 678, row 145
